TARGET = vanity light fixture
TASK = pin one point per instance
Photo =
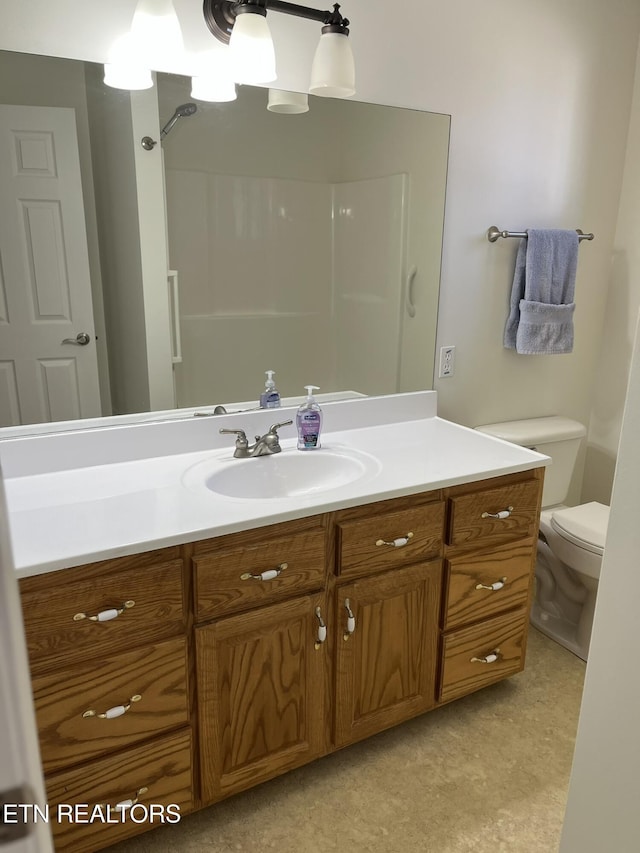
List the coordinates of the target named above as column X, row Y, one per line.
column 156, row 30
column 242, row 24
column 154, row 35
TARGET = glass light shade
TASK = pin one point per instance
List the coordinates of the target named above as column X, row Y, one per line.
column 130, row 77
column 212, row 79
column 156, row 31
column 288, row 103
column 124, row 69
column 333, row 72
column 253, row 59
column 209, row 87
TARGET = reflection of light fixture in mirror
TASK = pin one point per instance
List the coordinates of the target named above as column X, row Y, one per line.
column 212, row 80
column 287, row 103
column 124, row 69
column 242, row 24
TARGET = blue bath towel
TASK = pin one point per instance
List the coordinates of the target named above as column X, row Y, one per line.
column 541, row 313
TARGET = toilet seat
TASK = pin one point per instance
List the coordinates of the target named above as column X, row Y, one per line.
column 584, row 525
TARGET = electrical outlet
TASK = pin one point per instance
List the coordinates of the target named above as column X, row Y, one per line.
column 447, row 362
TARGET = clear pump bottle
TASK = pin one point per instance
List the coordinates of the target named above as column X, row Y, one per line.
column 309, row 421
column 270, row 397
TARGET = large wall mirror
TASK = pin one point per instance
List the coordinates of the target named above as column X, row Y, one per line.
column 234, row 241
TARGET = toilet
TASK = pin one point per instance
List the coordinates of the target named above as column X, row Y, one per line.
column 571, row 540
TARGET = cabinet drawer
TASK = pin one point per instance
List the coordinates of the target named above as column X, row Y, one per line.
column 482, row 584
column 363, row 544
column 157, row 774
column 56, row 616
column 152, row 681
column 463, row 669
column 471, row 521
column 228, row 580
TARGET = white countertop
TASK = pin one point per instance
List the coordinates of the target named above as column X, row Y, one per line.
column 65, row 511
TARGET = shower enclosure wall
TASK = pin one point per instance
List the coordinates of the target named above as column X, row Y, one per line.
column 291, row 276
column 294, row 239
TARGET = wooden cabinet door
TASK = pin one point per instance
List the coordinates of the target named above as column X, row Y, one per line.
column 261, row 694
column 386, row 668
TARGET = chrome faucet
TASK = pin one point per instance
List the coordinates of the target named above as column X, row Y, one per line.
column 264, row 445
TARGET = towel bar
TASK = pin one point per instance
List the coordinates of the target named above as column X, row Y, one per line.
column 494, row 232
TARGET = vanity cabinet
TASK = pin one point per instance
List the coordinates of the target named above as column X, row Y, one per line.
column 490, row 555
column 386, row 650
column 186, row 675
column 261, row 653
column 387, row 605
column 109, row 656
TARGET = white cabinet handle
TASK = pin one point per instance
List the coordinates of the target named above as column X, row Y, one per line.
column 396, row 543
column 492, row 657
column 269, row 575
column 127, row 804
column 105, row 615
column 492, row 586
column 351, row 620
column 117, row 711
column 321, row 636
column 505, row 513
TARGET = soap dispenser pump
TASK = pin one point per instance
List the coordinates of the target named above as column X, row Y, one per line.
column 309, row 421
column 270, row 397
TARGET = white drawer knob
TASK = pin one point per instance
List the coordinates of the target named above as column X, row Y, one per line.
column 112, row 713
column 505, row 513
column 396, row 543
column 105, row 615
column 492, row 657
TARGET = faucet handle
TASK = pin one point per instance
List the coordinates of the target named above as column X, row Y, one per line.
column 241, row 440
column 273, row 429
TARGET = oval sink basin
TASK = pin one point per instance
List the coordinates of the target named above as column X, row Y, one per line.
column 288, row 474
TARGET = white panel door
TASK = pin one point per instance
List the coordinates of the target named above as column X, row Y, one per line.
column 21, row 781
column 45, row 285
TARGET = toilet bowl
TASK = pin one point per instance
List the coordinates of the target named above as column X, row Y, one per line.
column 570, row 548
column 572, row 538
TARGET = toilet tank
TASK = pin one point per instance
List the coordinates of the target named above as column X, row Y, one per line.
column 556, row 437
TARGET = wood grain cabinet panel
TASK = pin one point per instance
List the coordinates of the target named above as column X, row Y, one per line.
column 385, row 668
column 360, row 554
column 477, row 656
column 144, row 692
column 228, row 579
column 471, row 520
column 57, row 634
column 482, row 584
column 260, row 694
column 157, row 773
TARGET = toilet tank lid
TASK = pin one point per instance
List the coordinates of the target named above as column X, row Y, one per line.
column 533, row 431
